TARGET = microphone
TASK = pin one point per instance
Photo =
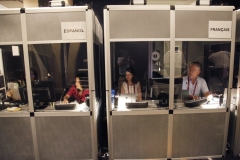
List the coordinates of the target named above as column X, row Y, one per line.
column 2, row 96
column 63, row 93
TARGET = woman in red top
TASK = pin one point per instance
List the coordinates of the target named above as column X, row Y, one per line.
column 76, row 91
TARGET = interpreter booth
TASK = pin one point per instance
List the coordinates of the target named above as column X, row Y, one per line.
column 151, row 112
column 42, row 49
column 234, row 121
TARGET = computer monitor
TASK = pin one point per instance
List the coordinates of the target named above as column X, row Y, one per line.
column 42, row 91
column 162, row 86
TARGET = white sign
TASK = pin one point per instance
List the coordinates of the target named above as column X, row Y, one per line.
column 73, row 30
column 220, row 29
column 15, row 51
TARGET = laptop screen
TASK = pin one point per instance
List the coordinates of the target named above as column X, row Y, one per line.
column 124, row 98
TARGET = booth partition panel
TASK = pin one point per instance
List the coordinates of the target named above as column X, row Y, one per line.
column 194, row 142
column 234, row 121
column 12, row 33
column 150, row 142
column 133, row 27
column 187, row 26
column 51, row 142
column 37, row 23
column 16, row 138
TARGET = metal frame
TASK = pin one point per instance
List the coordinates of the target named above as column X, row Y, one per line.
column 236, row 138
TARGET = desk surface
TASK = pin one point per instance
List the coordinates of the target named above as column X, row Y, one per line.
column 152, row 105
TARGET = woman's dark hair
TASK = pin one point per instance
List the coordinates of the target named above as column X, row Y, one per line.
column 132, row 71
column 78, row 76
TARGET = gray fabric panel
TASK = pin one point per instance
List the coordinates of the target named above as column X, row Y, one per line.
column 62, row 138
column 47, row 26
column 198, row 134
column 16, row 139
column 10, row 28
column 194, row 24
column 140, row 136
column 139, row 24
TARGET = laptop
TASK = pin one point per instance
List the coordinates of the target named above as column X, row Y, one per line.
column 126, row 98
column 14, row 89
column 63, row 106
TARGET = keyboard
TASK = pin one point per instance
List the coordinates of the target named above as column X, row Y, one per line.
column 61, row 106
column 195, row 103
column 137, row 104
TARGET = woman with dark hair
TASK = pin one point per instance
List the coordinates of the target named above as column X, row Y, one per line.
column 76, row 91
column 131, row 85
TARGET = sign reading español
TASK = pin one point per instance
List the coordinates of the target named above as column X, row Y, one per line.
column 73, row 30
column 220, row 29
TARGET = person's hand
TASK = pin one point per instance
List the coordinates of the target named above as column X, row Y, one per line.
column 191, row 97
column 9, row 93
column 65, row 101
column 195, row 97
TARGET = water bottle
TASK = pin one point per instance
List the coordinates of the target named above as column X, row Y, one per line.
column 112, row 98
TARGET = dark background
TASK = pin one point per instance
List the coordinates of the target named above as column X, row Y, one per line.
column 98, row 5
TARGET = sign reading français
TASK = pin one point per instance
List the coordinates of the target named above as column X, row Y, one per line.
column 73, row 30
column 220, row 29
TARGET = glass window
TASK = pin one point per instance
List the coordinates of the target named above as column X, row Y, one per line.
column 204, row 70
column 12, row 75
column 140, row 71
column 53, row 68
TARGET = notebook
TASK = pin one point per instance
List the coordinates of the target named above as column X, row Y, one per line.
column 125, row 98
